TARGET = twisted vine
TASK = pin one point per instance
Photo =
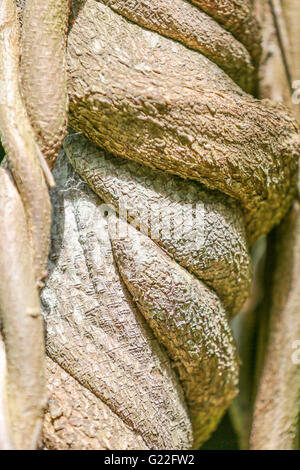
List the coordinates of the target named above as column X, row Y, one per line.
column 166, row 107
column 25, row 216
column 152, row 90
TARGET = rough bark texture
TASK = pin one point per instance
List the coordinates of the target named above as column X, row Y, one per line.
column 203, row 230
column 18, row 141
column 21, row 320
column 187, row 318
column 236, row 16
column 278, row 400
column 179, row 20
column 94, row 330
column 278, row 397
column 148, row 98
column 272, row 64
column 152, row 100
column 78, row 419
column 43, row 67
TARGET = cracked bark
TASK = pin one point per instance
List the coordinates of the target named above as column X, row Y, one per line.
column 202, row 230
column 187, row 318
column 78, row 419
column 192, row 27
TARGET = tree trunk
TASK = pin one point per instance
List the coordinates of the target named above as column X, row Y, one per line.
column 153, row 218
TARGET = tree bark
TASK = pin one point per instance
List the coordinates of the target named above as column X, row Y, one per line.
column 96, row 333
column 176, row 114
column 277, row 403
column 167, row 107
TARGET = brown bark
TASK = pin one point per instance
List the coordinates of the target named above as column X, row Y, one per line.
column 25, row 215
column 187, row 318
column 201, row 229
column 119, row 100
column 19, row 144
column 77, row 419
column 173, row 109
column 192, row 27
column 43, row 69
column 291, row 17
column 22, row 322
column 5, row 437
column 25, row 212
column 278, row 396
column 278, row 399
column 150, row 99
column 236, row 16
column 96, row 333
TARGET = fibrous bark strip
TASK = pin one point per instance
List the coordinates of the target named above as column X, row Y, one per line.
column 148, row 98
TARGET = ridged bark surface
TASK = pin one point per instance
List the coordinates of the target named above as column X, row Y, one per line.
column 94, row 330
column 143, row 96
column 154, row 101
column 201, row 229
column 179, row 20
column 148, row 98
column 236, row 16
column 187, row 318
column 78, row 419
